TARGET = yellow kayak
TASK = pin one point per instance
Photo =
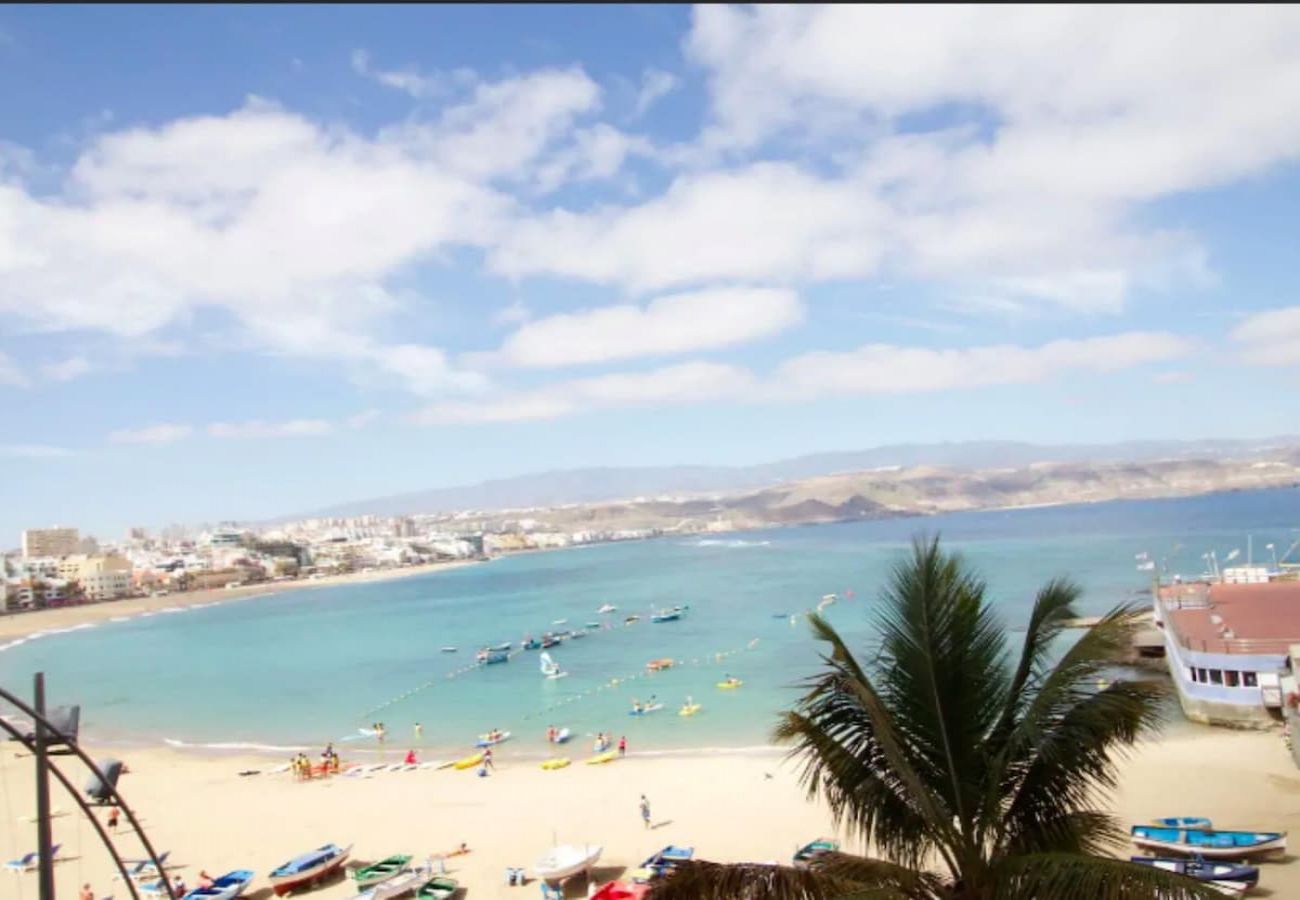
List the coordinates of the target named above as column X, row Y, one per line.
column 607, row 756
column 469, row 761
column 728, row 685
column 552, row 764
column 689, row 710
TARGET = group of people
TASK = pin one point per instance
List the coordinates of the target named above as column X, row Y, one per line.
column 494, row 735
column 301, row 765
column 604, row 741
column 552, row 734
column 638, row 707
column 378, row 729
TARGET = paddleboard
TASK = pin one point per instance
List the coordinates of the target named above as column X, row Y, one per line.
column 607, row 756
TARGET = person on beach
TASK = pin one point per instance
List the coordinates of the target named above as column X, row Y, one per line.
column 622, row 745
column 86, row 893
column 112, row 818
column 205, row 880
column 327, row 752
column 410, row 758
column 487, row 758
column 645, row 811
column 178, row 887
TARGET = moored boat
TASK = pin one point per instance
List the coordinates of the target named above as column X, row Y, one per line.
column 448, row 649
column 492, row 657
column 668, row 615
column 503, row 646
column 1229, row 875
column 1207, row 842
column 658, row 665
column 227, row 887
column 606, row 608
column 566, row 860
column 308, row 868
column 531, row 643
column 365, row 876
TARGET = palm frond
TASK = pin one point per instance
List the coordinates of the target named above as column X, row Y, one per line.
column 879, row 874
column 1072, row 876
column 699, row 880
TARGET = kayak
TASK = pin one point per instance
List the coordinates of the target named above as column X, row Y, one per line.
column 552, row 764
column 485, row 741
column 468, row 762
column 607, row 756
column 732, row 683
column 645, row 710
column 689, row 710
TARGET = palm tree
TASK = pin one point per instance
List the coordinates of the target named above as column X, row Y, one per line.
column 973, row 775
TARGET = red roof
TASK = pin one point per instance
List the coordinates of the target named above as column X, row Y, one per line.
column 1237, row 615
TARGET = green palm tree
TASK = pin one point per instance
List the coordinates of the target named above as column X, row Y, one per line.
column 973, row 774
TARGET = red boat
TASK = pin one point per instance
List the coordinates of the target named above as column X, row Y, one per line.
column 309, row 868
column 620, row 890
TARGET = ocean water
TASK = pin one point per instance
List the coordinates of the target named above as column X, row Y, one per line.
column 304, row 667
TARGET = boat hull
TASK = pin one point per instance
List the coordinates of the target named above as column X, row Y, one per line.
column 565, row 862
column 1210, row 844
column 285, row 884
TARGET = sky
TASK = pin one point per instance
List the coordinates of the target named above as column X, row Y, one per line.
column 255, row 260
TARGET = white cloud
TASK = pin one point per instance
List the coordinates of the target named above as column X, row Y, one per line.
column 514, row 314
column 768, row 222
column 889, row 369
column 66, row 370
column 655, row 85
column 1270, row 338
column 675, row 323
column 34, row 451
column 410, row 80
column 152, row 434
column 692, row 382
column 260, row 429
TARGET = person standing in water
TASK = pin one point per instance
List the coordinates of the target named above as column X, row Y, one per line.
column 622, row 745
column 419, row 731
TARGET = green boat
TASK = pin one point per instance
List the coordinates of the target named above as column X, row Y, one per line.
column 805, row 853
column 440, row 888
column 368, row 876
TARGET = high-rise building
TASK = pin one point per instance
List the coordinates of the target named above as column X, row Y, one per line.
column 51, row 542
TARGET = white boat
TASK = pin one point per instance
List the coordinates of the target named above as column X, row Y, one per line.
column 399, row 884
column 550, row 668
column 607, row 608
column 565, row 860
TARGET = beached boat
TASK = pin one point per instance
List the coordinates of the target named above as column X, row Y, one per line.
column 663, row 862
column 1205, row 842
column 606, row 608
column 227, row 887
column 488, row 741
column 308, row 868
column 552, row 764
column 439, row 888
column 600, row 758
column 403, row 882
column 468, row 762
column 811, row 849
column 1226, row 875
column 658, row 665
column 645, row 710
column 730, row 684
column 689, row 709
column 561, row 862
column 365, row 876
column 1184, row 822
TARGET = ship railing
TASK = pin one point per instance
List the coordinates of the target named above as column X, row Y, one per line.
column 1255, row 646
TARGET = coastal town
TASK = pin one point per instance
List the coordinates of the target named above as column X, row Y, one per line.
column 59, row 566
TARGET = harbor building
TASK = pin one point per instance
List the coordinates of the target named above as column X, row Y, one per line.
column 1228, row 646
column 51, row 542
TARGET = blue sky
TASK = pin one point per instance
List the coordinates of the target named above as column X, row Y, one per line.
column 256, row 260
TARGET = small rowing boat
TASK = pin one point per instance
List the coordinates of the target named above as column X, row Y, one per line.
column 308, row 868
column 606, row 608
column 805, row 853
column 448, row 649
column 227, row 887
column 668, row 615
column 1206, row 842
column 440, row 888
column 376, row 872
column 402, row 883
column 1226, row 876
column 560, row 862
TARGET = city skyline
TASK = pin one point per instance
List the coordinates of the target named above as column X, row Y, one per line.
column 261, row 260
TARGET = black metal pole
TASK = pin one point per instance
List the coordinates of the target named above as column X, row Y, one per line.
column 43, row 838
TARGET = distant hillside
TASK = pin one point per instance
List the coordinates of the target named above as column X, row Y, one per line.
column 600, row 485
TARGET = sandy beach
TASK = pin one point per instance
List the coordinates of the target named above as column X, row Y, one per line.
column 730, row 807
column 16, row 625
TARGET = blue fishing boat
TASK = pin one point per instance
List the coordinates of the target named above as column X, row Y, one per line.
column 491, row 657
column 662, row 863
column 227, row 887
column 1232, row 876
column 804, row 854
column 1185, row 822
column 310, row 867
column 1206, row 842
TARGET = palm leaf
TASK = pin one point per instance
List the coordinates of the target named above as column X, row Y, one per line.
column 1070, row 876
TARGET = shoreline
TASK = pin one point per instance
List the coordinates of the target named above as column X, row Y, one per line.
column 730, row 807
column 43, row 622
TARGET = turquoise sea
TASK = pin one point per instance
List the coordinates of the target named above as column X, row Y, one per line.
column 301, row 668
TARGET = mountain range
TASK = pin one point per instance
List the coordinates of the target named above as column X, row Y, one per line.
column 607, row 484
